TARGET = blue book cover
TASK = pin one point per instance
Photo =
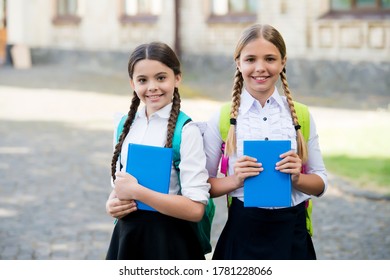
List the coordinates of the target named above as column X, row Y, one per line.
column 151, row 166
column 271, row 188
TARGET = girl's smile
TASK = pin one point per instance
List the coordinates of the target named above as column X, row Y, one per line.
column 154, row 97
column 260, row 79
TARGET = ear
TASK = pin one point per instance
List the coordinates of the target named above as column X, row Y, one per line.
column 284, row 61
column 238, row 64
column 177, row 80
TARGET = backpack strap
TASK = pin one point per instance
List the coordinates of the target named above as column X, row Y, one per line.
column 224, row 118
column 303, row 118
column 119, row 128
column 182, row 120
column 301, row 109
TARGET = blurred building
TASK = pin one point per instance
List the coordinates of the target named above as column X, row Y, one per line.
column 327, row 40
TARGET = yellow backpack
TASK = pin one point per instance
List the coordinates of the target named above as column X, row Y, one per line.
column 304, row 120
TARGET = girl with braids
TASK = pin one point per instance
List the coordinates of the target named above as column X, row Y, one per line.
column 155, row 75
column 258, row 112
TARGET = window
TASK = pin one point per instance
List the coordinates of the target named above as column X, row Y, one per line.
column 140, row 10
column 66, row 12
column 233, row 10
column 66, row 7
column 223, row 7
column 363, row 5
column 377, row 9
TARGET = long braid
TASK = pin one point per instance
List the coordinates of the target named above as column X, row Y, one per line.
column 173, row 117
column 231, row 141
column 301, row 143
column 126, row 128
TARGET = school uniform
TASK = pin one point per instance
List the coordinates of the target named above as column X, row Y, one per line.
column 264, row 233
column 149, row 234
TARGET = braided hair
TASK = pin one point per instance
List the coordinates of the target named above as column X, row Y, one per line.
column 154, row 51
column 270, row 34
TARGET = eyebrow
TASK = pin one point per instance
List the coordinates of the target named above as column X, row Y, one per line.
column 161, row 73
column 157, row 74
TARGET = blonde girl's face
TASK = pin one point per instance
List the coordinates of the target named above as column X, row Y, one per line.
column 260, row 64
column 154, row 83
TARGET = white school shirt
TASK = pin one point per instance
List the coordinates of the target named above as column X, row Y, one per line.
column 254, row 122
column 153, row 132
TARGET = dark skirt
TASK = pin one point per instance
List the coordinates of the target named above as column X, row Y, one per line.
column 254, row 233
column 149, row 235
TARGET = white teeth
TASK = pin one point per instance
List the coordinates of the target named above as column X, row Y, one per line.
column 259, row 78
column 154, row 96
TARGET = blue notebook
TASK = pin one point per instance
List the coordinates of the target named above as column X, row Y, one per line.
column 271, row 188
column 151, row 166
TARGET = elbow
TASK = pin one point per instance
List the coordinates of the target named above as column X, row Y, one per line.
column 197, row 213
column 321, row 191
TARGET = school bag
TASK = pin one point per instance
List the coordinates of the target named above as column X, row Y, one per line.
column 203, row 227
column 304, row 121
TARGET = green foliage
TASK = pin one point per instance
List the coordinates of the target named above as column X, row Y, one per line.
column 366, row 172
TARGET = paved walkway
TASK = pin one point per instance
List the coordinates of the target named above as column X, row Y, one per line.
column 55, row 151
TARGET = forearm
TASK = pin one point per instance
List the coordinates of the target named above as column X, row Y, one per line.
column 311, row 184
column 222, row 186
column 177, row 206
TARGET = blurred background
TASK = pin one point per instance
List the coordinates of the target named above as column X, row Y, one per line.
column 63, row 75
column 338, row 50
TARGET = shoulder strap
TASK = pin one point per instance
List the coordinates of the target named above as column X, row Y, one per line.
column 224, row 118
column 303, row 118
column 119, row 129
column 182, row 120
column 301, row 109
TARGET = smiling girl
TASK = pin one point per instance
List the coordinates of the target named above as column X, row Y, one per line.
column 155, row 75
column 258, row 112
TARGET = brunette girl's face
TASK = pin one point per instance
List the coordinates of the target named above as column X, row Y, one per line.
column 260, row 64
column 154, row 83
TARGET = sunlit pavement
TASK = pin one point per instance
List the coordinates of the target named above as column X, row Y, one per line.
column 55, row 153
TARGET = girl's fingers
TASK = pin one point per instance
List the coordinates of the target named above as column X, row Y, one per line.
column 123, row 210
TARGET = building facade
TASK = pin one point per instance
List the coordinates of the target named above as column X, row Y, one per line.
column 338, row 37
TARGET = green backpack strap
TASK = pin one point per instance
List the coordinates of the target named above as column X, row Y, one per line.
column 304, row 121
column 182, row 120
column 119, row 128
column 301, row 109
column 224, row 120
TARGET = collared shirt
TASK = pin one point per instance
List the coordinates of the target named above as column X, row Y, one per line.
column 153, row 132
column 254, row 122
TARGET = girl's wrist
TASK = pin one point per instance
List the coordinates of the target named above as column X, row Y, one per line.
column 138, row 191
column 237, row 182
column 295, row 180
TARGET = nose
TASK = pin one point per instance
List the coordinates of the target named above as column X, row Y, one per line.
column 152, row 87
column 259, row 66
